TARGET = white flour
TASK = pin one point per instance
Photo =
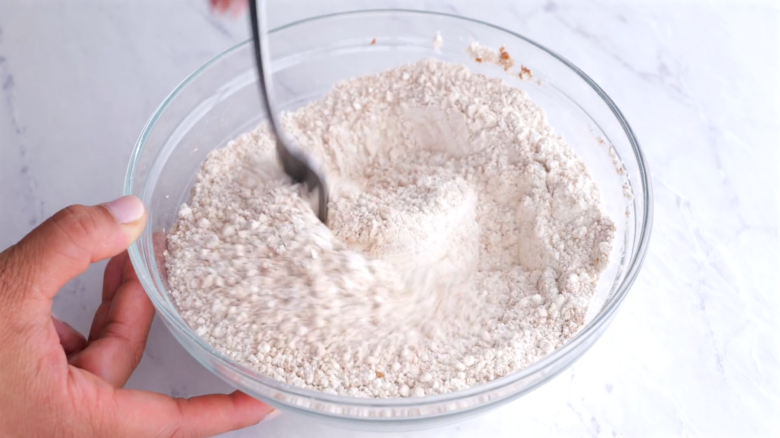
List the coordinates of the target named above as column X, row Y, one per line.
column 464, row 241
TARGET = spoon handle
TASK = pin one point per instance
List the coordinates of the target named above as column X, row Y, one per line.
column 294, row 162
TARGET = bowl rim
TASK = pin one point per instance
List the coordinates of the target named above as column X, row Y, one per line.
column 604, row 316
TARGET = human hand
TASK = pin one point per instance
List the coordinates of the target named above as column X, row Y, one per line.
column 56, row 383
column 237, row 6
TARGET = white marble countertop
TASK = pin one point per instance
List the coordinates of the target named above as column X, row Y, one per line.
column 695, row 349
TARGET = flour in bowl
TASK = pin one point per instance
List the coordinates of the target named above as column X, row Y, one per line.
column 464, row 242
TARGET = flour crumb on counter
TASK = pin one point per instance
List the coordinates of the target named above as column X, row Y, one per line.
column 438, row 42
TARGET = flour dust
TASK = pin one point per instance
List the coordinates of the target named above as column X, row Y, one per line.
column 464, row 242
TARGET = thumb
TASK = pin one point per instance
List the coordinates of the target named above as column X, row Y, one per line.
column 65, row 245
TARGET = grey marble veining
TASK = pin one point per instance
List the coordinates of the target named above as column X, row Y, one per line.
column 695, row 349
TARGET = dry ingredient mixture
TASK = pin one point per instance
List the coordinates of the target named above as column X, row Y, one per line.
column 464, row 240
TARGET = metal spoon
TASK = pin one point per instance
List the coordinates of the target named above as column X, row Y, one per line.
column 294, row 161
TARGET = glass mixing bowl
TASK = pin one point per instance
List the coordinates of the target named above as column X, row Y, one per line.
column 221, row 100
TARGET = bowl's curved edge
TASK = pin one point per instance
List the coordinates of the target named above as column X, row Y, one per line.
column 603, row 318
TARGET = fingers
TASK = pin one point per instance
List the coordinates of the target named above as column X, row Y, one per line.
column 71, row 340
column 223, row 6
column 119, row 332
column 66, row 244
column 211, row 415
column 220, row 5
column 152, row 414
column 113, row 276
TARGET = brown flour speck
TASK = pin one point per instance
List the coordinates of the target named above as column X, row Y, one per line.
column 525, row 73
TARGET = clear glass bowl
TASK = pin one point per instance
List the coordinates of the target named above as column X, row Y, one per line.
column 220, row 101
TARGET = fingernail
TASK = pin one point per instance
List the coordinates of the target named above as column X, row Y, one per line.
column 273, row 414
column 126, row 209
